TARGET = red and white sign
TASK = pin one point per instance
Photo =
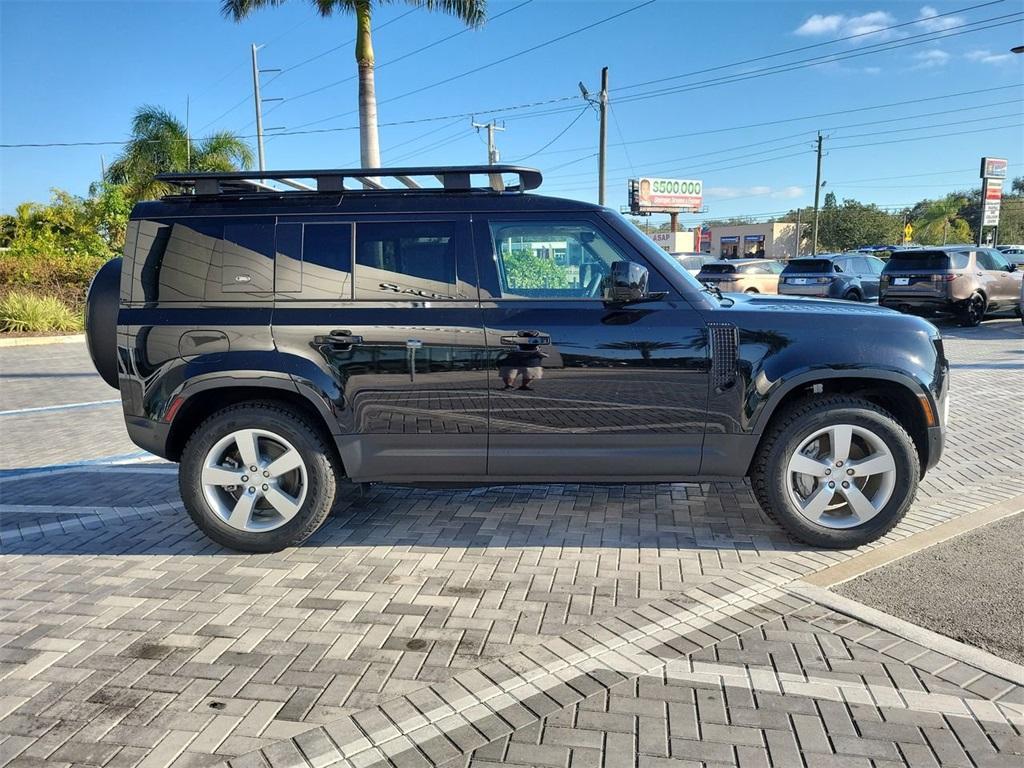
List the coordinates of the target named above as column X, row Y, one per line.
column 667, row 195
column 991, row 196
column 993, row 168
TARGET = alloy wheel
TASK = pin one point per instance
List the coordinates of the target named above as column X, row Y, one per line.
column 841, row 476
column 254, row 480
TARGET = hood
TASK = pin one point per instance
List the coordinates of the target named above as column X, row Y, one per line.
column 756, row 302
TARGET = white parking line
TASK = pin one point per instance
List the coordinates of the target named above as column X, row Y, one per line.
column 65, row 407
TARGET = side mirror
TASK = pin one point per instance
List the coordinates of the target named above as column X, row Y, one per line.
column 1011, row 267
column 627, row 282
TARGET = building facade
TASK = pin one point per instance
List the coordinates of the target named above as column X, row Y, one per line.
column 765, row 241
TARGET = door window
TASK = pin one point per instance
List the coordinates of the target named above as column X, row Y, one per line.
column 546, row 259
column 411, row 260
column 993, row 260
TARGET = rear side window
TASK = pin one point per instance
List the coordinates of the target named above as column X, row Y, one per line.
column 315, row 260
column 927, row 261
column 808, row 266
column 406, row 260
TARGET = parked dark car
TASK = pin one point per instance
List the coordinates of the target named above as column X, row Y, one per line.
column 742, row 275
column 279, row 333
column 966, row 281
column 850, row 276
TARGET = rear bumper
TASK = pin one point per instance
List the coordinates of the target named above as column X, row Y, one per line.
column 920, row 305
column 816, row 291
column 149, row 435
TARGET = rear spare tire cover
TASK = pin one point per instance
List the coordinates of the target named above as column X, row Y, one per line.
column 101, row 305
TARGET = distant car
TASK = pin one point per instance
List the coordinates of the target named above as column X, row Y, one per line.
column 742, row 275
column 692, row 262
column 1013, row 254
column 850, row 276
column 965, row 281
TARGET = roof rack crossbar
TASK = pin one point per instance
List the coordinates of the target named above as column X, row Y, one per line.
column 457, row 178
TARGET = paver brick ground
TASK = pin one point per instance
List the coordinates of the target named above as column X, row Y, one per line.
column 127, row 638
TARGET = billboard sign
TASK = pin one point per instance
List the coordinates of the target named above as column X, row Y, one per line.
column 992, row 196
column 993, row 168
column 650, row 195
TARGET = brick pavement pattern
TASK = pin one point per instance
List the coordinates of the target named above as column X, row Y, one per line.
column 126, row 638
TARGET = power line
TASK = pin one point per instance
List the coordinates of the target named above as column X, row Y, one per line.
column 404, row 56
column 496, row 62
column 810, row 47
column 827, row 59
column 559, row 135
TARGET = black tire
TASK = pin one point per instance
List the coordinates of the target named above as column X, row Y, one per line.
column 751, row 290
column 320, row 467
column 769, row 470
column 973, row 311
column 852, row 295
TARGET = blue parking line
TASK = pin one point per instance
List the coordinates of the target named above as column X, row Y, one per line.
column 66, row 407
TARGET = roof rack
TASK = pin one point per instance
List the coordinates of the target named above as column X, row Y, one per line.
column 453, row 178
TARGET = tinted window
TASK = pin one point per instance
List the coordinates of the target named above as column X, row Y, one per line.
column 990, row 259
column 315, row 259
column 406, row 260
column 910, row 261
column 718, row 269
column 247, row 256
column 552, row 259
column 808, row 266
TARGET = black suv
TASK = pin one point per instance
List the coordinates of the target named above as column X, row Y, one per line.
column 277, row 332
column 850, row 276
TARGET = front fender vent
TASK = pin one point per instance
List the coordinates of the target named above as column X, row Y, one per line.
column 725, row 347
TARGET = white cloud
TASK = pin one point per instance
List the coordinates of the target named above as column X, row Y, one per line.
column 842, row 25
column 729, row 193
column 930, row 59
column 872, row 70
column 931, row 23
column 987, row 57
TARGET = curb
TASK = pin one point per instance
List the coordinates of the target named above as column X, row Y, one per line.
column 918, row 542
column 29, row 341
column 940, row 643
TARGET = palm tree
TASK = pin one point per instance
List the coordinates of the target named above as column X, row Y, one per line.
column 160, row 143
column 941, row 215
column 472, row 12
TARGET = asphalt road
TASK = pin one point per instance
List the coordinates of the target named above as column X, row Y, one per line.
column 970, row 588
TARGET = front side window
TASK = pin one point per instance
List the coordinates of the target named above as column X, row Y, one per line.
column 552, row 259
column 410, row 260
column 991, row 259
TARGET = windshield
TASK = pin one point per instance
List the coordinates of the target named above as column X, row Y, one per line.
column 664, row 261
column 812, row 266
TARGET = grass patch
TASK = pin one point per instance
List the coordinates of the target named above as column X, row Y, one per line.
column 25, row 312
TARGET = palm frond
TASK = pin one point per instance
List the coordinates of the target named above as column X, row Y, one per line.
column 472, row 12
column 239, row 9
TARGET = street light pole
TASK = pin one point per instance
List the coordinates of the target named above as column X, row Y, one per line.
column 492, row 149
column 817, row 195
column 603, row 138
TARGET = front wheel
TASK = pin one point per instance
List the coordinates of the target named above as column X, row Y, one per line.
column 257, row 477
column 836, row 472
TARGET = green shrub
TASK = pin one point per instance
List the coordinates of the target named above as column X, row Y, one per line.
column 21, row 311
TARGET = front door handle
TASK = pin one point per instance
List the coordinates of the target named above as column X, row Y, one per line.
column 339, row 339
column 530, row 338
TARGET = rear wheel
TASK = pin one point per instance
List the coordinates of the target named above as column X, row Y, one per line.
column 973, row 311
column 257, row 477
column 852, row 295
column 836, row 472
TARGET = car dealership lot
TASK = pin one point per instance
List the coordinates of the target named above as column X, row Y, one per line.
column 536, row 625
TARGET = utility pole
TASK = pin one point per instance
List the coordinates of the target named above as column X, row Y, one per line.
column 603, row 137
column 492, row 149
column 817, row 195
column 188, row 136
column 259, row 104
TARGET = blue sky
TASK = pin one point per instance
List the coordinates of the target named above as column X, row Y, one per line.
column 76, row 71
